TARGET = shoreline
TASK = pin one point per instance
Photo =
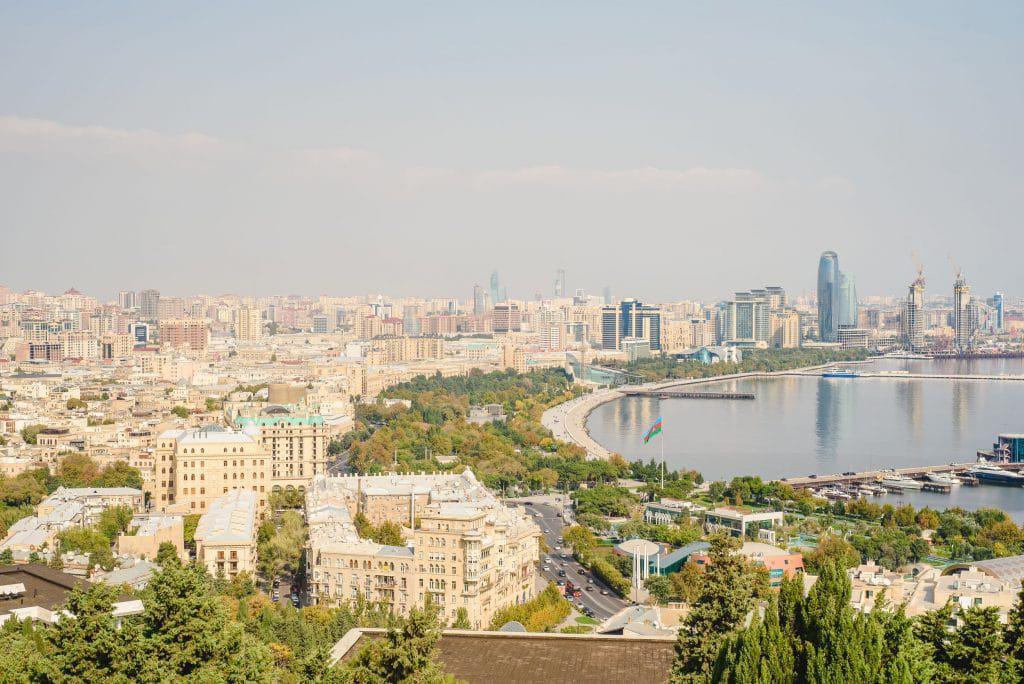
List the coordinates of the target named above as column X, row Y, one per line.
column 568, row 420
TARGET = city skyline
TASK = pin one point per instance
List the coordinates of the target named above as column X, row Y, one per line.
column 371, row 157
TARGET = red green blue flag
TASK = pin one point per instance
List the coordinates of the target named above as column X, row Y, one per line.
column 655, row 429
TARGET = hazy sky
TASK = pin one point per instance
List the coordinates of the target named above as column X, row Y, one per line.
column 667, row 150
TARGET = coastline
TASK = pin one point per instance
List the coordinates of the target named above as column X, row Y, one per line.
column 568, row 420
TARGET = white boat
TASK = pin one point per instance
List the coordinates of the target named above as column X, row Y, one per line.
column 833, row 493
column 993, row 474
column 897, row 481
column 906, row 355
column 943, row 478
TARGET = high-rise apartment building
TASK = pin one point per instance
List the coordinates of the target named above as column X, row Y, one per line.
column 149, row 305
column 126, row 299
column 560, row 283
column 785, row 329
column 495, row 289
column 186, row 333
column 912, row 317
column 320, row 324
column 479, row 301
column 248, row 324
column 506, row 318
column 997, row 306
column 630, row 318
column 464, row 549
column 513, row 358
column 828, row 296
column 963, row 330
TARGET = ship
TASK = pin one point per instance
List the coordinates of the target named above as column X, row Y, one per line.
column 943, row 479
column 840, row 373
column 897, row 481
column 907, row 355
column 993, row 474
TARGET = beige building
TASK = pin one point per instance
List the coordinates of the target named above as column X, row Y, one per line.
column 297, row 446
column 870, row 581
column 464, row 548
column 147, row 532
column 785, row 329
column 194, row 467
column 226, row 534
column 514, row 358
column 185, row 333
column 248, row 324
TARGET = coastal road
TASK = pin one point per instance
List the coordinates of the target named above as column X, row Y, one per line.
column 545, row 512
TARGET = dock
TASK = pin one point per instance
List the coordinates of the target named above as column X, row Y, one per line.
column 683, row 394
column 872, row 476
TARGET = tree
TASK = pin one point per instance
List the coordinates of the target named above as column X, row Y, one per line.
column 73, row 404
column 976, row 650
column 78, row 470
column 29, row 433
column 726, row 599
column 580, row 539
column 181, row 412
column 113, row 521
column 120, row 474
column 167, row 554
column 6, row 557
column 660, row 588
column 461, row 619
column 404, row 655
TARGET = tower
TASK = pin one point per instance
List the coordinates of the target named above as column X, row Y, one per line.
column 912, row 316
column 962, row 323
column 828, row 297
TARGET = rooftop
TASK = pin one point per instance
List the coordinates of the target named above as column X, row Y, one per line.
column 511, row 657
column 231, row 519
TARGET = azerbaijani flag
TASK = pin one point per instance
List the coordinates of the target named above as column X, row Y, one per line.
column 655, row 429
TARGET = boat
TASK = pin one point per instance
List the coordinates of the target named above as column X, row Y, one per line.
column 943, row 478
column 988, row 473
column 833, row 493
column 840, row 373
column 907, row 355
column 897, row 481
column 874, row 490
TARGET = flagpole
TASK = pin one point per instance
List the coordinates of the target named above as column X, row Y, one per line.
column 663, row 455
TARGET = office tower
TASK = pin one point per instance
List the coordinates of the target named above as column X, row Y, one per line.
column 139, row 332
column 320, row 324
column 560, row 282
column 248, row 324
column 997, row 304
column 507, row 318
column 126, row 299
column 828, row 296
column 479, row 301
column 495, row 293
column 912, row 317
column 607, row 292
column 847, row 300
column 149, row 305
column 630, row 319
column 785, row 329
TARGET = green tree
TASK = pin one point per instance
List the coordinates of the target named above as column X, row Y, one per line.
column 976, row 650
column 461, row 619
column 6, row 557
column 114, row 521
column 78, row 470
column 404, row 655
column 120, row 474
column 167, row 554
column 660, row 588
column 726, row 599
column 73, row 404
column 181, row 412
column 29, row 433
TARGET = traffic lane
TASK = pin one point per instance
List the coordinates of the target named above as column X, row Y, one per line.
column 552, row 525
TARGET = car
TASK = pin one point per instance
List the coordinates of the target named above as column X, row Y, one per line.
column 589, row 587
column 561, row 573
column 581, row 571
column 295, row 601
column 561, row 540
column 813, row 476
column 527, row 503
column 604, row 592
column 276, row 597
column 277, row 583
column 560, row 583
column 565, row 556
column 849, row 473
column 590, row 580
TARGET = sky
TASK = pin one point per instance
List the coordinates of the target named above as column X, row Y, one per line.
column 666, row 150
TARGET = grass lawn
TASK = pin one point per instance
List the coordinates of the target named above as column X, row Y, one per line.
column 584, row 620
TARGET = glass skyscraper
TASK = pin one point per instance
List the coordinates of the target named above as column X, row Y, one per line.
column 847, row 300
column 828, row 297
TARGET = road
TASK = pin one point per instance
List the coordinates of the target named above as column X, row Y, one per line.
column 545, row 511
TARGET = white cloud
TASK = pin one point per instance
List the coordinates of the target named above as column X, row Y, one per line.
column 648, row 177
column 29, row 129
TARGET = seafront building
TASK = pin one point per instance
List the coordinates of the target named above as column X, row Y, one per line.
column 828, row 296
column 463, row 548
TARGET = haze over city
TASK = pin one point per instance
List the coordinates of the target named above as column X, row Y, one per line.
column 664, row 151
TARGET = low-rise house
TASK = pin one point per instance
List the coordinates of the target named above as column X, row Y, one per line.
column 147, row 532
column 743, row 523
column 226, row 534
column 870, row 581
column 94, row 500
column 778, row 562
column 37, row 592
column 964, row 587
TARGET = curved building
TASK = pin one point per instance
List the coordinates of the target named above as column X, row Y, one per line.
column 828, row 297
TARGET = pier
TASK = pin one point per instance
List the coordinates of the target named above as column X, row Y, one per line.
column 891, row 375
column 683, row 394
column 872, row 476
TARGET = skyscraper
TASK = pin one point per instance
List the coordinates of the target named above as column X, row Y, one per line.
column 607, row 294
column 495, row 298
column 126, row 299
column 149, row 305
column 912, row 317
column 997, row 304
column 847, row 300
column 560, row 282
column 479, row 301
column 828, row 297
column 963, row 331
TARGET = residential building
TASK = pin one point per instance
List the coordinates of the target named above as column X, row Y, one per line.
column 226, row 534
column 147, row 532
column 506, row 318
column 912, row 317
column 870, row 582
column 847, row 300
column 464, row 548
column 194, row 467
column 248, row 324
column 185, row 333
column 513, row 358
column 149, row 305
column 630, row 318
column 785, row 329
column 297, row 446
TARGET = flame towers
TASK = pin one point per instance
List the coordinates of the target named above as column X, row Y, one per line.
column 828, row 297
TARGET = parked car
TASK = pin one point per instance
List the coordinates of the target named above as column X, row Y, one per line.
column 589, row 587
column 604, row 592
column 581, row 571
column 561, row 573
